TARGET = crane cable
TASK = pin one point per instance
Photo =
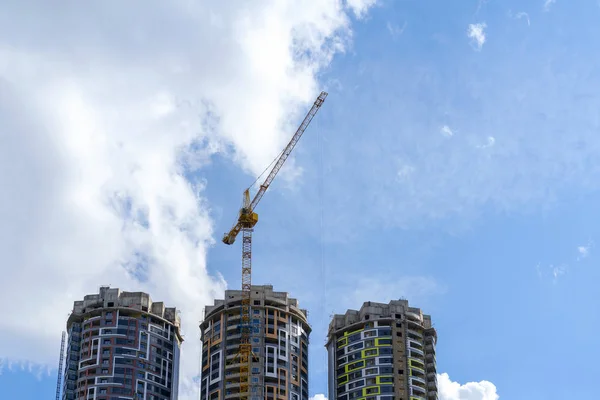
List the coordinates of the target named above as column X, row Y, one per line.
column 257, row 179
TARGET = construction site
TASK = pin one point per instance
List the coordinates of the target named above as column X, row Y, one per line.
column 255, row 341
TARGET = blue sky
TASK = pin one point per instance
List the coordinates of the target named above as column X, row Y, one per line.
column 458, row 172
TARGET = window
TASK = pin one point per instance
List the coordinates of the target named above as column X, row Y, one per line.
column 256, row 311
column 255, row 370
column 356, row 365
column 254, row 379
column 109, row 315
column 356, row 384
column 257, row 302
column 355, row 346
column 255, row 350
column 354, row 338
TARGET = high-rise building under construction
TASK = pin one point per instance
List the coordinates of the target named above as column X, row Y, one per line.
column 382, row 352
column 122, row 345
column 279, row 338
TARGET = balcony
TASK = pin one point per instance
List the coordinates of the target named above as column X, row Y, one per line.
column 417, row 356
column 233, row 395
column 416, row 363
column 415, row 333
column 413, row 316
column 415, row 378
column 415, row 324
column 418, row 391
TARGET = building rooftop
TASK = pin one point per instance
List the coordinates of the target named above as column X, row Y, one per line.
column 115, row 298
column 374, row 310
column 258, row 292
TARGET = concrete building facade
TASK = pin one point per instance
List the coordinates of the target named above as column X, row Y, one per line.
column 122, row 345
column 279, row 369
column 382, row 352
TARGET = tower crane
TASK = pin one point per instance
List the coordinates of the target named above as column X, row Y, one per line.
column 247, row 219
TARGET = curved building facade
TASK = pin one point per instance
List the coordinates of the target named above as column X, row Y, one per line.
column 122, row 345
column 279, row 369
column 382, row 352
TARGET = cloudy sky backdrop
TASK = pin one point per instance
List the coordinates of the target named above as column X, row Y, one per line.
column 455, row 163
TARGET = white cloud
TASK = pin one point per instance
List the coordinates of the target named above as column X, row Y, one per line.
column 558, row 270
column 476, row 33
column 446, row 131
column 520, row 15
column 553, row 271
column 360, row 7
column 583, row 251
column 548, row 4
column 449, row 390
column 107, row 109
column 405, row 171
column 480, row 4
column 491, row 141
column 395, row 30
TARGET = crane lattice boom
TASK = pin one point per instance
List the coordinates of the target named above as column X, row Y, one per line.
column 60, row 365
column 247, row 216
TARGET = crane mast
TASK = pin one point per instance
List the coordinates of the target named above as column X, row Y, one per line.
column 247, row 219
